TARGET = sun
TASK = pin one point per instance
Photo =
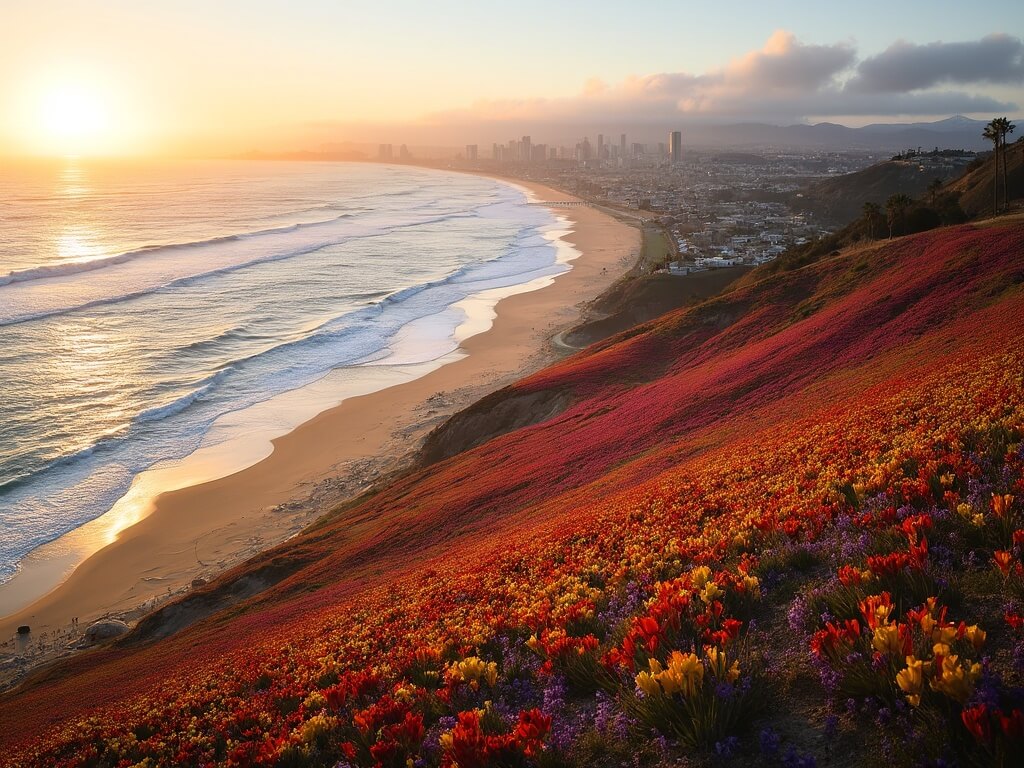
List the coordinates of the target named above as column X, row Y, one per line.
column 72, row 117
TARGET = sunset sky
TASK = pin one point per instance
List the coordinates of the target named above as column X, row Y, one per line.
column 120, row 77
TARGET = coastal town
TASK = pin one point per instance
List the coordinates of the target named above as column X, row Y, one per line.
column 715, row 208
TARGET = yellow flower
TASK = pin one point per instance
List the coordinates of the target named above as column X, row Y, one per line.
column 720, row 666
column 446, row 741
column 533, row 644
column 752, row 584
column 317, row 725
column 975, row 636
column 700, row 576
column 710, row 593
column 944, row 635
column 473, row 670
column 314, row 701
column 887, row 639
column 648, row 684
column 965, row 510
column 911, row 680
column 954, row 680
column 684, row 673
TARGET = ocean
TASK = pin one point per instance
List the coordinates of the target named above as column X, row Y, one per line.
column 146, row 310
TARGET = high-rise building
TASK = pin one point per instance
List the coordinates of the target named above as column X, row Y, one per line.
column 622, row 145
column 600, row 146
column 675, row 147
column 404, row 153
column 496, row 152
column 525, row 150
column 385, row 152
column 471, row 152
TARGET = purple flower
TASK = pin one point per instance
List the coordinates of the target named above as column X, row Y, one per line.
column 770, row 742
column 727, row 748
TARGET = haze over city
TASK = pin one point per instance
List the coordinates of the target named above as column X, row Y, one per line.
column 195, row 78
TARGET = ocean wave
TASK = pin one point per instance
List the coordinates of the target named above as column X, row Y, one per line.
column 191, row 278
column 66, row 268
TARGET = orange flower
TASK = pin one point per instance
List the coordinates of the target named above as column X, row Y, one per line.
column 1003, row 559
column 1001, row 504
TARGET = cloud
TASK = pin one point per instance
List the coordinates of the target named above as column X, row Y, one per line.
column 907, row 67
column 785, row 80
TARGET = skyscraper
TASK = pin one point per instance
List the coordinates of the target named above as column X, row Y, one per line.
column 525, row 150
column 471, row 152
column 675, row 147
column 622, row 145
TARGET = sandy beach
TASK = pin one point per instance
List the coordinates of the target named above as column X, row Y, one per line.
column 198, row 531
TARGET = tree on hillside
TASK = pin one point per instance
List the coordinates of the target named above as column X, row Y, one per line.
column 872, row 215
column 991, row 133
column 934, row 186
column 895, row 208
column 1005, row 128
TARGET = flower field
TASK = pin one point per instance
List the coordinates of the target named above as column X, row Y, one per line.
column 785, row 527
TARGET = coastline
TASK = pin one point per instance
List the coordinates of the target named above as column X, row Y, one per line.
column 208, row 525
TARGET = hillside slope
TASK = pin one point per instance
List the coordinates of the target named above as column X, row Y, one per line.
column 976, row 186
column 841, row 199
column 686, row 504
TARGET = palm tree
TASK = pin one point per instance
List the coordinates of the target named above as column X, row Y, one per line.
column 1005, row 128
column 991, row 133
column 872, row 213
column 895, row 207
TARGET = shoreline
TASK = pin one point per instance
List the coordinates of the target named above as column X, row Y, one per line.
column 202, row 528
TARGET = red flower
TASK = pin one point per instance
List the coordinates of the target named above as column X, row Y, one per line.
column 978, row 722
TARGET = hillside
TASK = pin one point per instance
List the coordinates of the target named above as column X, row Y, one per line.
column 976, row 186
column 841, row 199
column 806, row 491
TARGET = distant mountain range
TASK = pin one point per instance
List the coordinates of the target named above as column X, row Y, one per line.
column 956, row 132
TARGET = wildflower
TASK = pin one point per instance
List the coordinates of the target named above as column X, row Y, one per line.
column 646, row 682
column 684, row 673
column 1012, row 724
column 1001, row 504
column 975, row 636
column 876, row 609
column 954, row 679
column 473, row 670
column 316, row 726
column 1003, row 558
column 710, row 593
column 887, row 639
column 720, row 666
column 911, row 679
column 700, row 576
column 851, row 575
column 978, row 722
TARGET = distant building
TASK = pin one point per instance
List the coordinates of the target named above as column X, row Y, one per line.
column 675, row 147
column 385, row 152
column 525, row 150
column 622, row 145
column 471, row 152
column 404, row 153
